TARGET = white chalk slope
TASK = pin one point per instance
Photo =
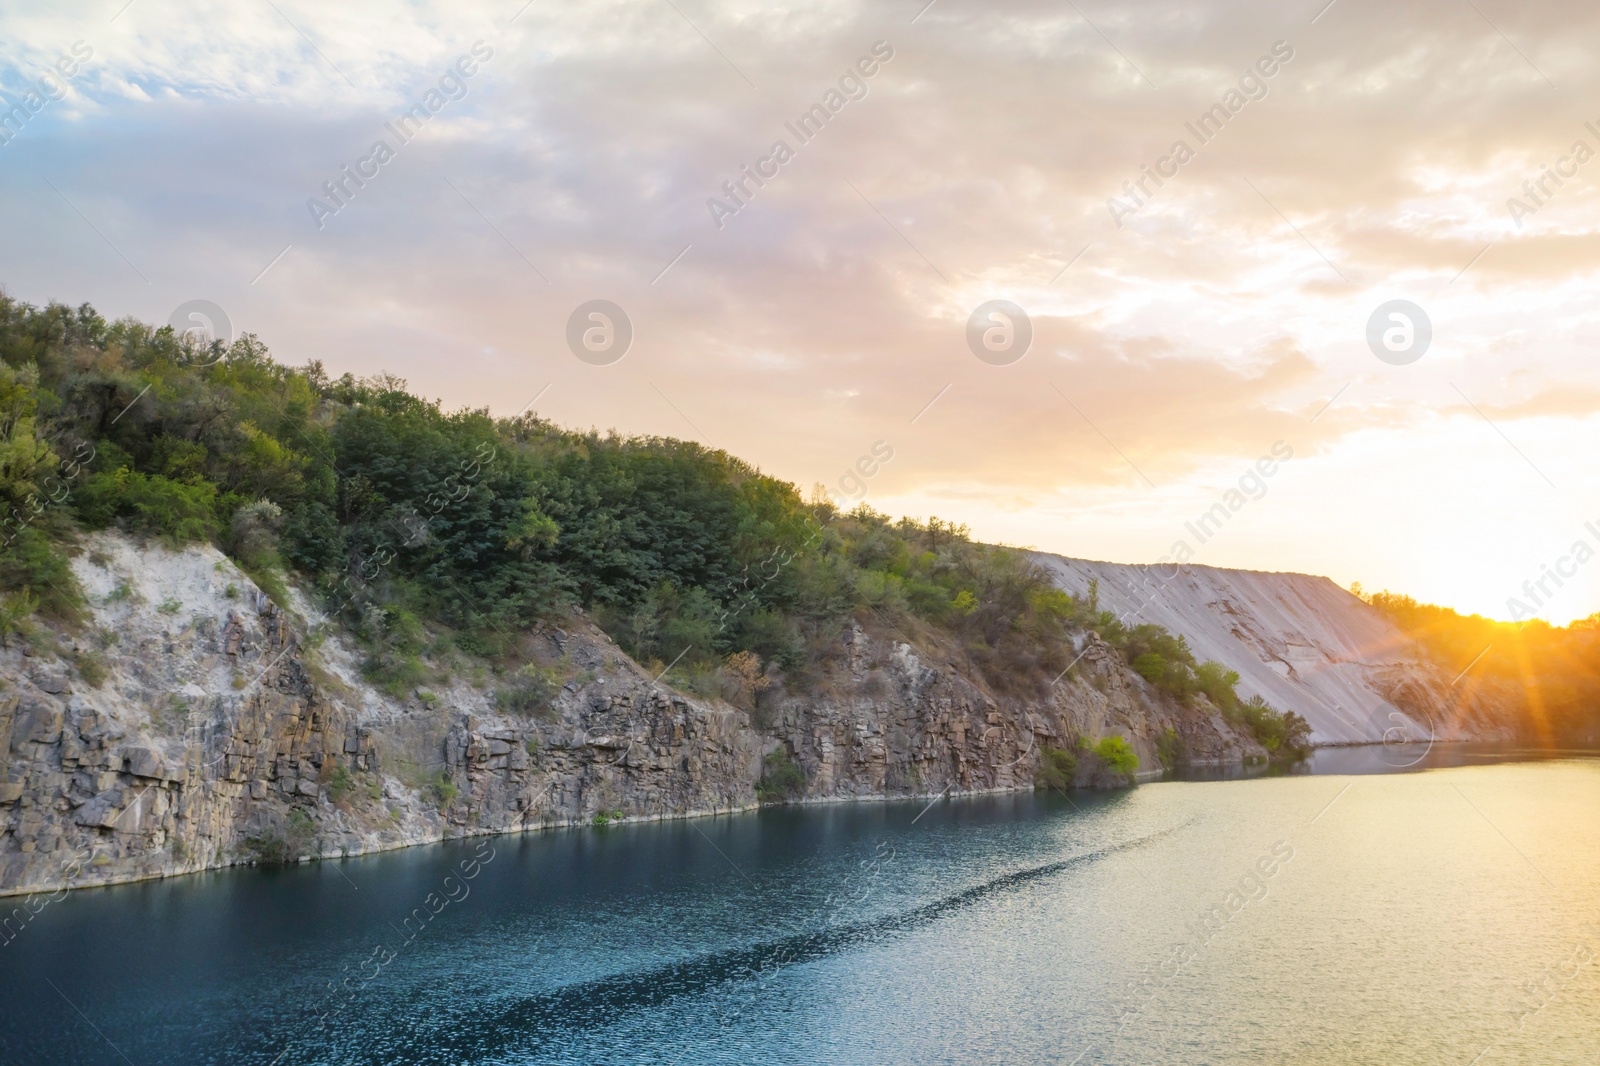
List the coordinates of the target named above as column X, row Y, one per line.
column 1300, row 642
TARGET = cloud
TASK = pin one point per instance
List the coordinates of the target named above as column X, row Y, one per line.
column 830, row 310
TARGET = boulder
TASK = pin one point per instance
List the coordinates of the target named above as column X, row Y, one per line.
column 102, row 811
column 38, row 721
column 53, row 682
column 146, row 763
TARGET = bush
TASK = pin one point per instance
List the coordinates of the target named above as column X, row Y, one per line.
column 340, row 784
column 781, row 778
column 31, row 563
column 152, row 504
column 285, row 845
column 92, row 668
column 532, row 692
column 394, row 639
column 253, row 534
column 1057, row 768
column 1150, row 666
column 1170, row 749
column 444, row 790
column 1117, row 756
column 743, row 680
column 15, row 610
column 1284, row 734
column 1217, row 682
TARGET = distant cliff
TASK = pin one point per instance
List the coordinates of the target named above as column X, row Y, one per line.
column 190, row 722
column 1305, row 645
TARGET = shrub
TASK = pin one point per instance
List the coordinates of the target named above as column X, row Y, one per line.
column 1117, row 756
column 1217, row 682
column 1057, row 768
column 531, row 692
column 1150, row 666
column 92, row 668
column 30, row 562
column 285, row 845
column 394, row 639
column 1284, row 734
column 781, row 778
column 340, row 784
column 269, row 579
column 703, row 679
column 253, row 533
column 267, row 849
column 1170, row 749
column 15, row 610
column 150, row 503
column 444, row 789
column 743, row 680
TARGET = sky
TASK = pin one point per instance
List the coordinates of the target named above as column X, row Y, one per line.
column 1198, row 340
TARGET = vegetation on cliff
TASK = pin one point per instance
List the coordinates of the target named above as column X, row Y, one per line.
column 439, row 534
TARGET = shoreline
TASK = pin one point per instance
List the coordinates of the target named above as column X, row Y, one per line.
column 1142, row 777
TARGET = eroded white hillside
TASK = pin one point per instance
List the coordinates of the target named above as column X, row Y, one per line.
column 1299, row 641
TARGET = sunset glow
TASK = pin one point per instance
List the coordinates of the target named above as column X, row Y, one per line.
column 1189, row 308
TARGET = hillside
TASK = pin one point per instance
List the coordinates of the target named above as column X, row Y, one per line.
column 249, row 612
column 252, row 613
column 189, row 721
column 1303, row 643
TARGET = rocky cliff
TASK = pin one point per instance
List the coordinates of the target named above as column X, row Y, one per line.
column 188, row 722
column 1305, row 645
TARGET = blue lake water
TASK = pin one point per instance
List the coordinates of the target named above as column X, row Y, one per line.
column 1446, row 914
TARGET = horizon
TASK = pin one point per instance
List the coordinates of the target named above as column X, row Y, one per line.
column 1186, row 316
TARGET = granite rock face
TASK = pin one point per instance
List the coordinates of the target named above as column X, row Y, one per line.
column 192, row 723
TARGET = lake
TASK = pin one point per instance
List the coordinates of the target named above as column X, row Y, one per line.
column 1444, row 913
